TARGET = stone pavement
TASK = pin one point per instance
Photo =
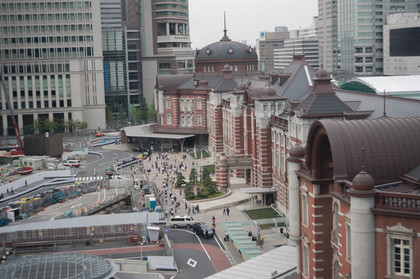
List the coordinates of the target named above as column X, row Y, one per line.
column 236, row 200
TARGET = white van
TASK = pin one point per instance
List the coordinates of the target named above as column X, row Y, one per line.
column 181, row 221
column 72, row 163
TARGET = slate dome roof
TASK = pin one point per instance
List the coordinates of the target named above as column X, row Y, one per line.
column 226, row 50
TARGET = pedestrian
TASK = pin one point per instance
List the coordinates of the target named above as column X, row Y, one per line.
column 227, row 211
column 213, row 227
column 193, row 208
column 186, row 205
column 26, row 182
column 224, row 210
column 214, row 220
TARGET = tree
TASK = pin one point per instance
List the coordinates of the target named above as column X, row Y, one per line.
column 180, row 180
column 144, row 111
column 152, row 112
column 82, row 125
column 71, row 125
column 189, row 192
column 209, row 186
column 132, row 114
column 50, row 125
column 122, row 116
column 193, row 175
column 109, row 116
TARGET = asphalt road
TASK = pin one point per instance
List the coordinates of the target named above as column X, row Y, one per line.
column 190, row 253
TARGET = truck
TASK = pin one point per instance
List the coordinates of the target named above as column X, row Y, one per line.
column 59, row 196
column 25, row 170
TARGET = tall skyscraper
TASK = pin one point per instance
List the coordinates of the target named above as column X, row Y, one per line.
column 51, row 61
column 121, row 48
column 351, row 34
column 165, row 41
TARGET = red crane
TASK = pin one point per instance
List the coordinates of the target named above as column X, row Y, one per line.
column 19, row 150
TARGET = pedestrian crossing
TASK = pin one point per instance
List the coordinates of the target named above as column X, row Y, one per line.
column 93, row 178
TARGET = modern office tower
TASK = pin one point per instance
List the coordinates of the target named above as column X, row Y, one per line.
column 401, row 44
column 165, row 41
column 355, row 27
column 327, row 35
column 266, row 43
column 302, row 41
column 51, row 60
column 121, row 48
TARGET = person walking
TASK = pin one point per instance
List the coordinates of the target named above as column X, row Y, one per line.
column 227, row 211
column 214, row 220
column 224, row 210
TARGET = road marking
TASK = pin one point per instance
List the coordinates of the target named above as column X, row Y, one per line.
column 208, row 256
column 191, row 263
column 65, row 205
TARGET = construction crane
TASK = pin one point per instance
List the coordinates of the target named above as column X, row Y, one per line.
column 19, row 150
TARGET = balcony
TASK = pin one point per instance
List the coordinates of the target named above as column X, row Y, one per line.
column 173, row 38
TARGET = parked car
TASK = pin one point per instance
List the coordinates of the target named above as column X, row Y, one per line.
column 203, row 230
column 99, row 134
column 181, row 221
column 72, row 163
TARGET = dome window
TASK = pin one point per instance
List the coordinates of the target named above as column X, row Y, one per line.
column 230, row 50
column 208, row 51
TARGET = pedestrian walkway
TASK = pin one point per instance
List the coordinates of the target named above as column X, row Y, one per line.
column 235, row 200
column 93, row 178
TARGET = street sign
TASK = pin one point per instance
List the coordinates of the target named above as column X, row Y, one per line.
column 166, row 230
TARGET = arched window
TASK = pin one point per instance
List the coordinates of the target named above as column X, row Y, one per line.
column 182, row 121
column 189, row 124
column 181, row 104
column 336, row 210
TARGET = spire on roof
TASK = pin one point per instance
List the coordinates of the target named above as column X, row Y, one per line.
column 225, row 37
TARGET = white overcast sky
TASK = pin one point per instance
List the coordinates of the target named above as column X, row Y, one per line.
column 246, row 18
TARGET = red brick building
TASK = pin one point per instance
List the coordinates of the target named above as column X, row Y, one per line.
column 346, row 223
column 356, row 200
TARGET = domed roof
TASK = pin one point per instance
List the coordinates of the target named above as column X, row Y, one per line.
column 323, row 74
column 363, row 182
column 269, row 91
column 297, row 151
column 226, row 50
column 241, row 86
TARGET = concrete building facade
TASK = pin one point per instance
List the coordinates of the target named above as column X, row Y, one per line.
column 351, row 34
column 401, row 54
column 302, row 41
column 165, row 41
column 266, row 43
column 52, row 65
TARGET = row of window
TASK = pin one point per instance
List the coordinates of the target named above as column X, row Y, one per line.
column 45, row 40
column 171, row 6
column 42, row 67
column 186, row 121
column 34, row 18
column 172, row 13
column 54, row 84
column 39, row 104
column 39, row 6
column 186, row 104
column 48, row 29
column 46, row 53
